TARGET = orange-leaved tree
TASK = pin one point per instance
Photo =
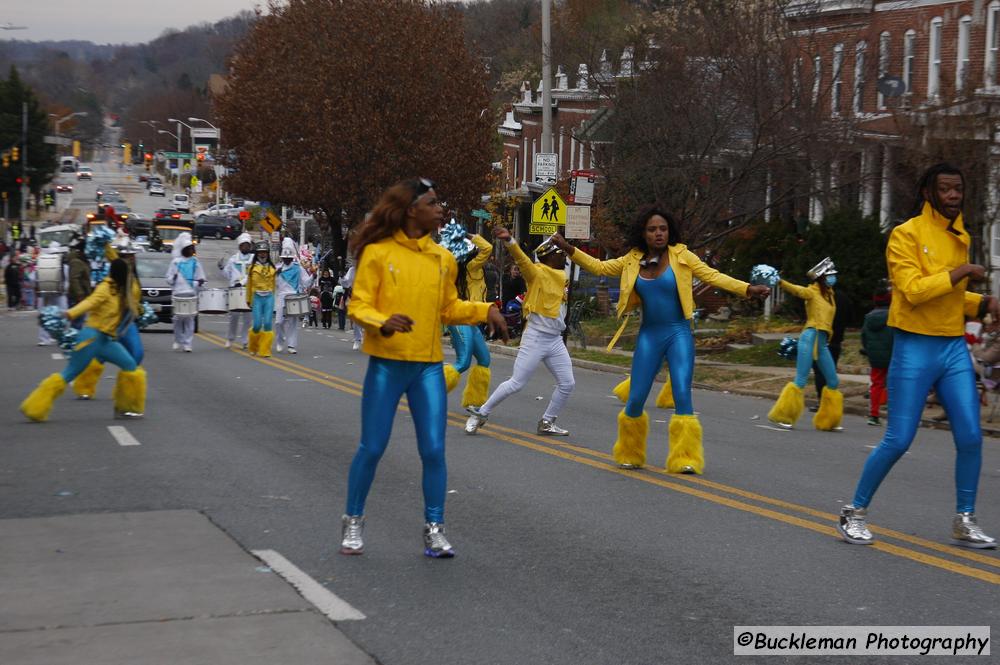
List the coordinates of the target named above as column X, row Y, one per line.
column 330, row 101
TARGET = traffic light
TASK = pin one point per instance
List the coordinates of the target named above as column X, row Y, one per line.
column 201, row 156
column 19, row 180
column 6, row 160
column 15, row 153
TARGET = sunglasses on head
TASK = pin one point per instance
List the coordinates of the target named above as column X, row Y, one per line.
column 424, row 185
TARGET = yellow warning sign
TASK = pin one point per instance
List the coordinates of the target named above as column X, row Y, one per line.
column 548, row 213
column 271, row 222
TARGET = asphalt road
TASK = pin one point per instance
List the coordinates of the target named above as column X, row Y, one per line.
column 562, row 557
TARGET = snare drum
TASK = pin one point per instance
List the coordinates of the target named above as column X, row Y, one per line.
column 237, row 297
column 296, row 305
column 49, row 272
column 185, row 305
column 213, row 301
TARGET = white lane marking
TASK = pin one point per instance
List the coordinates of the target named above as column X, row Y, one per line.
column 58, row 356
column 122, row 436
column 773, row 429
column 335, row 608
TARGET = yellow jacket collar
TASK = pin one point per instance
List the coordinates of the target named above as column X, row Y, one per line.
column 929, row 213
column 421, row 244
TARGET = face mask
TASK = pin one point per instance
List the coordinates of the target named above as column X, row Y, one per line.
column 831, row 280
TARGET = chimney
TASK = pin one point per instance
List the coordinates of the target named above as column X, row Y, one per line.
column 626, row 62
column 582, row 74
column 525, row 92
column 605, row 64
column 562, row 80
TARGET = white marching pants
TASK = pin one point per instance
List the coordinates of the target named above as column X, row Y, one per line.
column 183, row 329
column 538, row 347
column 239, row 325
column 287, row 331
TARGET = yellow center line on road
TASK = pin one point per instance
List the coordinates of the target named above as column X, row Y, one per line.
column 680, row 484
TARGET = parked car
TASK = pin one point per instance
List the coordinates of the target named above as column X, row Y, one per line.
column 216, row 226
column 152, row 271
column 217, row 209
column 182, row 202
column 64, row 187
column 84, row 173
column 156, row 189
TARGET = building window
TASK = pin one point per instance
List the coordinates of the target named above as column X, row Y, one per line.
column 838, row 62
column 962, row 61
column 909, row 58
column 992, row 43
column 796, row 82
column 817, row 77
column 883, row 64
column 858, row 103
column 934, row 58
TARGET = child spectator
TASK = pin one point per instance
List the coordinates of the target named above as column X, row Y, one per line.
column 876, row 343
column 314, row 307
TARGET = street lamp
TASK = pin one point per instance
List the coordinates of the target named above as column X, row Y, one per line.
column 218, row 152
column 65, row 118
column 176, row 136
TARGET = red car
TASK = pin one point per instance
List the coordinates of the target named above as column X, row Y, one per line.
column 166, row 214
column 64, row 187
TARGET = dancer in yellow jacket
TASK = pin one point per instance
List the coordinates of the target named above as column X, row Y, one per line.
column 403, row 291
column 813, row 344
column 111, row 309
column 657, row 276
column 468, row 341
column 260, row 297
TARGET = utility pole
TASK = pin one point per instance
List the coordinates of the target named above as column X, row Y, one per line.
column 24, row 163
column 547, row 76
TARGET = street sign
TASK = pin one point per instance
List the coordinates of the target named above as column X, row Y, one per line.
column 271, row 222
column 578, row 223
column 482, row 214
column 891, row 86
column 178, row 155
column 581, row 187
column 548, row 213
column 57, row 140
column 546, row 167
column 244, row 215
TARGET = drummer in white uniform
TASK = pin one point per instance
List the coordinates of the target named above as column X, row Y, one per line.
column 52, row 277
column 291, row 280
column 186, row 276
column 236, row 274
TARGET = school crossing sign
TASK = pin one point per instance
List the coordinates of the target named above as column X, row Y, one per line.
column 548, row 213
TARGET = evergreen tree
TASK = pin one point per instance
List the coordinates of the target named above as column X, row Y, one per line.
column 41, row 164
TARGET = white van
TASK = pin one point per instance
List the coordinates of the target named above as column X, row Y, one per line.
column 182, row 203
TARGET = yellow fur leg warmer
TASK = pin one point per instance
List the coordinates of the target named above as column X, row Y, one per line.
column 630, row 448
column 252, row 341
column 85, row 385
column 130, row 391
column 686, row 453
column 477, row 389
column 621, row 390
column 451, row 377
column 264, row 342
column 789, row 406
column 665, row 400
column 38, row 404
column 831, row 409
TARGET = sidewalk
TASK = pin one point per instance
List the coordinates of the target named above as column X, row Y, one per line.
column 157, row 587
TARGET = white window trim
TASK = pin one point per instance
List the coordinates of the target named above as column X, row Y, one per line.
column 992, row 48
column 909, row 58
column 962, row 61
column 836, row 80
column 858, row 98
column 884, row 49
column 935, row 30
column 817, row 78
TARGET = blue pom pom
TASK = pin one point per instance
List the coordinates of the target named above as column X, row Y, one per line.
column 52, row 321
column 788, row 348
column 764, row 274
column 453, row 239
column 148, row 316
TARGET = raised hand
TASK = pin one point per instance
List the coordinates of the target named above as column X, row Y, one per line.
column 500, row 233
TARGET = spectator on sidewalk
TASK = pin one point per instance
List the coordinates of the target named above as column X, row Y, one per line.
column 12, row 282
column 876, row 344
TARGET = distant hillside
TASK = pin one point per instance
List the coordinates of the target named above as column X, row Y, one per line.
column 25, row 52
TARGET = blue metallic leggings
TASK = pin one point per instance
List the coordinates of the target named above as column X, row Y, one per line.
column 674, row 343
column 920, row 362
column 92, row 343
column 808, row 340
column 469, row 342
column 132, row 343
column 385, row 383
column 263, row 312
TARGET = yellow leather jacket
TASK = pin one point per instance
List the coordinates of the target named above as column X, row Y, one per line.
column 260, row 277
column 103, row 308
column 921, row 253
column 412, row 276
column 476, row 279
column 546, row 286
column 819, row 310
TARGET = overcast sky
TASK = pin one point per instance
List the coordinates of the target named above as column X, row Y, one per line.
column 110, row 21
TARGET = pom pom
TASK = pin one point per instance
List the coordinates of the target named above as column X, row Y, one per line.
column 764, row 274
column 148, row 316
column 788, row 348
column 453, row 239
column 52, row 321
column 97, row 240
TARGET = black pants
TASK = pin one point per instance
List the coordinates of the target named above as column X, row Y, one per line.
column 13, row 297
column 327, row 318
column 818, row 375
column 341, row 318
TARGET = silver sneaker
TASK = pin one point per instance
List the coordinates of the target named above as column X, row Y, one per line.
column 435, row 544
column 967, row 533
column 550, row 428
column 352, row 534
column 475, row 421
column 127, row 415
column 853, row 526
